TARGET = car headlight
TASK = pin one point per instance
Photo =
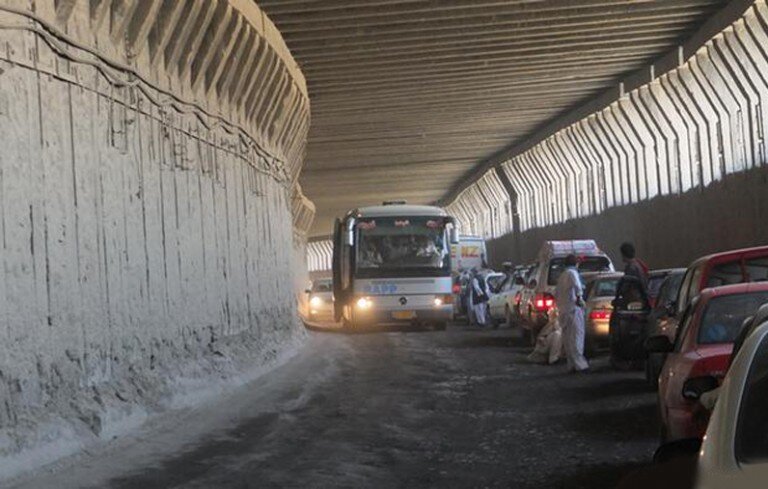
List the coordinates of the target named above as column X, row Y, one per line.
column 364, row 303
column 438, row 301
column 316, row 302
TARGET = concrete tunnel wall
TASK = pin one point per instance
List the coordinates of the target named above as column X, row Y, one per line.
column 149, row 214
column 677, row 165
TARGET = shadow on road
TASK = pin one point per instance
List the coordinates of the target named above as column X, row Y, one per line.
column 638, row 422
column 335, row 328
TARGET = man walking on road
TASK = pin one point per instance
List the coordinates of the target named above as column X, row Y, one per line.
column 570, row 303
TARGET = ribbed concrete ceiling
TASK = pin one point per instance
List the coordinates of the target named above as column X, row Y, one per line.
column 408, row 96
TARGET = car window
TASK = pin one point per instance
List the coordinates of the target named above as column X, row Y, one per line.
column 723, row 317
column 321, row 287
column 752, row 427
column 586, row 264
column 682, row 298
column 694, row 288
column 606, row 287
column 725, row 274
column 757, row 269
column 494, row 282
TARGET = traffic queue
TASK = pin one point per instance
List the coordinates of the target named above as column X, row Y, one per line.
column 678, row 325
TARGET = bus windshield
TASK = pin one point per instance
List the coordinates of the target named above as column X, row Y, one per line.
column 402, row 247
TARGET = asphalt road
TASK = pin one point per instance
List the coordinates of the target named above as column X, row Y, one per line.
column 452, row 409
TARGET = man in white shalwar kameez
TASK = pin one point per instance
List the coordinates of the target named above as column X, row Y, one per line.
column 568, row 296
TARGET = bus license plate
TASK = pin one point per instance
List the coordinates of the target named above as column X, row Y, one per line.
column 404, row 314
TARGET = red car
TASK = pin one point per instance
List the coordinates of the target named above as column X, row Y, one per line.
column 700, row 354
column 728, row 267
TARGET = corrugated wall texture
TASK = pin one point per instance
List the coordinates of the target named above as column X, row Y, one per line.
column 681, row 132
column 145, row 212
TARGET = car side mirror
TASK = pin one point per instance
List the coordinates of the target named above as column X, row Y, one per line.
column 678, row 449
column 693, row 388
column 533, row 283
column 519, row 281
column 658, row 344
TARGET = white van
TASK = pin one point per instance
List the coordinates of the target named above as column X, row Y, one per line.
column 468, row 253
column 538, row 296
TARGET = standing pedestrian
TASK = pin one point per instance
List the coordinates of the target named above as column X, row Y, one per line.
column 633, row 266
column 479, row 290
column 570, row 310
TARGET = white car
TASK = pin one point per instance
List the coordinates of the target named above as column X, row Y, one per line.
column 501, row 304
column 734, row 453
column 321, row 300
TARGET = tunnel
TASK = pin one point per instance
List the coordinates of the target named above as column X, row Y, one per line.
column 173, row 171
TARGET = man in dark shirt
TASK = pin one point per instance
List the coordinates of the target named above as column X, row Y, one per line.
column 633, row 266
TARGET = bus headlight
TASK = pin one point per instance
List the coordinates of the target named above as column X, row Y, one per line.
column 316, row 301
column 364, row 303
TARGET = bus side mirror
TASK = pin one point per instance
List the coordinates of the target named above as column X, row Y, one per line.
column 453, row 231
column 350, row 236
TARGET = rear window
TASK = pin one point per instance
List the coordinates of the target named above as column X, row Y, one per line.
column 725, row 274
column 724, row 316
column 321, row 287
column 757, row 269
column 587, row 264
column 605, row 287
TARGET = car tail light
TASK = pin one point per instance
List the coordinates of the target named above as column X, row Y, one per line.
column 518, row 296
column 456, row 289
column 544, row 302
column 600, row 314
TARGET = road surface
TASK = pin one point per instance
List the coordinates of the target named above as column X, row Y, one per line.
column 452, row 409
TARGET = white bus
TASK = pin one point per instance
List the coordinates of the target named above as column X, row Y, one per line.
column 392, row 265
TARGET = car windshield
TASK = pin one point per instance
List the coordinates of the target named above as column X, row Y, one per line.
column 654, row 284
column 322, row 287
column 407, row 246
column 725, row 274
column 724, row 315
column 586, row 264
column 757, row 269
column 671, row 287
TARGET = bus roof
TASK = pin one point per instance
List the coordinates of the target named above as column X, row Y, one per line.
column 399, row 210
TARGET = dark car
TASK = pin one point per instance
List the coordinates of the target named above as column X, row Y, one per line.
column 658, row 320
column 627, row 329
